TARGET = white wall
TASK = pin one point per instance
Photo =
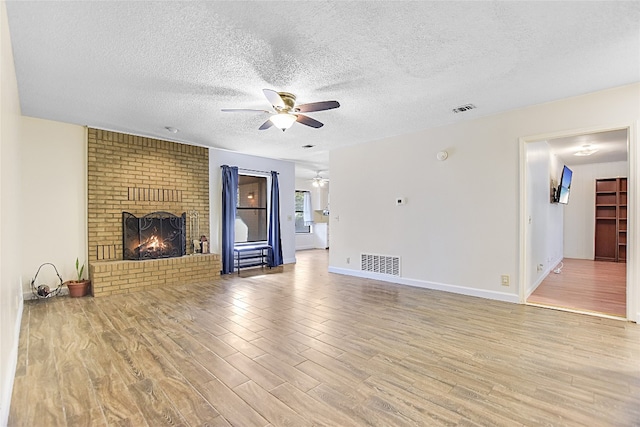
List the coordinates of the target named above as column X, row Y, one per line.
column 545, row 219
column 10, row 218
column 459, row 229
column 286, row 181
column 579, row 219
column 54, row 202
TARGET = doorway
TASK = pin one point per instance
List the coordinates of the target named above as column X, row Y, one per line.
column 583, row 285
column 558, row 268
column 312, row 214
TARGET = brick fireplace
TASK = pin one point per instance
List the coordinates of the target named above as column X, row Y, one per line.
column 139, row 175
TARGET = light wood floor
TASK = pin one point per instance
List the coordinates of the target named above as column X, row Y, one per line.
column 303, row 347
column 595, row 286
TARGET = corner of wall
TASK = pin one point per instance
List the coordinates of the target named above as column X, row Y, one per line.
column 7, row 387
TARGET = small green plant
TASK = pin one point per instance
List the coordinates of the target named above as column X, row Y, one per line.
column 79, row 270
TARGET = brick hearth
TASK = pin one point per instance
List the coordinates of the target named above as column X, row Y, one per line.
column 121, row 277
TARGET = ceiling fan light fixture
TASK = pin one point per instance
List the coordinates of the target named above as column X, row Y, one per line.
column 318, row 181
column 287, row 112
column 283, row 121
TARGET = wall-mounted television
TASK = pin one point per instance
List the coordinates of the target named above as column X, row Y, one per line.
column 562, row 195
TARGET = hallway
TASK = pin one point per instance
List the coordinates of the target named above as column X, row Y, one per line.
column 585, row 285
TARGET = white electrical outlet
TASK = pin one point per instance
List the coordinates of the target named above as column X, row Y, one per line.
column 504, row 280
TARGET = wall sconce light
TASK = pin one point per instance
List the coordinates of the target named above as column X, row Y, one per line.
column 250, row 196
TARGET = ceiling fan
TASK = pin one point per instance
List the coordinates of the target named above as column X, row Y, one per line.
column 287, row 112
column 319, row 181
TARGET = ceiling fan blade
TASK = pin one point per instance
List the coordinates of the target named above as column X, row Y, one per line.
column 317, row 106
column 274, row 98
column 266, row 125
column 243, row 110
column 308, row 121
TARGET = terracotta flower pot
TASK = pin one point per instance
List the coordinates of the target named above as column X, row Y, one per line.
column 78, row 288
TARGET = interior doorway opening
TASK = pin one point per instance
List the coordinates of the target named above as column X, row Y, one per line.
column 560, row 268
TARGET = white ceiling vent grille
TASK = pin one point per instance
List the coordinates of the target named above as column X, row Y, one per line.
column 380, row 264
column 463, row 108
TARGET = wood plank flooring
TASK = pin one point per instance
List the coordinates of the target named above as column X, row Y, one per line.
column 595, row 286
column 303, row 347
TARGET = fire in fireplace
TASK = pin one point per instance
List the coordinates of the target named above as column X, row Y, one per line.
column 156, row 235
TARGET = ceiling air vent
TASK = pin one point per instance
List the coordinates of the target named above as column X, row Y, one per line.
column 463, row 108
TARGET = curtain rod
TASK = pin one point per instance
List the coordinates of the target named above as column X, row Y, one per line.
column 254, row 170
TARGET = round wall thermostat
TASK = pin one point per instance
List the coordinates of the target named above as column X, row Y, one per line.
column 442, row 155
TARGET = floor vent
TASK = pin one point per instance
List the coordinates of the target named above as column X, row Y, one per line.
column 380, row 264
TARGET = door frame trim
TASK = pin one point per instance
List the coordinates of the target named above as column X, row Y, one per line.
column 633, row 195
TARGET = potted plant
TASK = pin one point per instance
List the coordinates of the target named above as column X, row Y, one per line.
column 80, row 287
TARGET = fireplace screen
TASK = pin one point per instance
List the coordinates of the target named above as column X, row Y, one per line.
column 156, row 235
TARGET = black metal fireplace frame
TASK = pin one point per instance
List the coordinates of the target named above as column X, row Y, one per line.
column 176, row 223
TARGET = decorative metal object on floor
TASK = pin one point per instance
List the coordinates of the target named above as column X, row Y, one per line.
column 44, row 291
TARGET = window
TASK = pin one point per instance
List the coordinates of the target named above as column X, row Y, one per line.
column 251, row 209
column 300, row 227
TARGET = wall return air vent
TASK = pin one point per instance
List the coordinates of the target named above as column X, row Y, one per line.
column 380, row 264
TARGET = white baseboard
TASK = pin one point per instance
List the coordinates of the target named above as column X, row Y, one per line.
column 305, row 247
column 473, row 292
column 7, row 387
column 289, row 260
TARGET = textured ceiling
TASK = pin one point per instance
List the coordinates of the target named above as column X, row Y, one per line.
column 395, row 67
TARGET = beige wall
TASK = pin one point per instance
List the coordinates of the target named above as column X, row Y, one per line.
column 460, row 228
column 10, row 218
column 54, row 199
